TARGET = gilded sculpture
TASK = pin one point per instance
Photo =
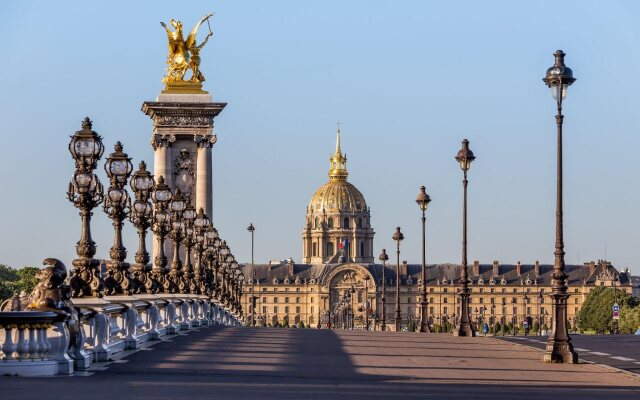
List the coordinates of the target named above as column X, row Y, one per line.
column 184, row 56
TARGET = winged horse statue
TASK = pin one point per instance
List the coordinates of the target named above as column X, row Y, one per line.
column 184, row 54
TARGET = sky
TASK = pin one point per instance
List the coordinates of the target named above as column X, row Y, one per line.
column 408, row 80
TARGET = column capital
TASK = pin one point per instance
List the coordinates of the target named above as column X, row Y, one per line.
column 205, row 141
column 162, row 140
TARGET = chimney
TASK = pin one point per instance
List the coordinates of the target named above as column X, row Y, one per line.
column 290, row 265
column 592, row 268
column 518, row 269
column 496, row 268
column 403, row 269
column 475, row 270
column 536, row 268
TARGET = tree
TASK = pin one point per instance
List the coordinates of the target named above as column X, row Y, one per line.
column 16, row 280
column 596, row 311
column 629, row 319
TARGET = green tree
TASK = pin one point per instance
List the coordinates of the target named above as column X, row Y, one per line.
column 8, row 274
column 596, row 311
column 629, row 319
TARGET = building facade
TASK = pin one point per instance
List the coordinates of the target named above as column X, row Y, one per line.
column 339, row 284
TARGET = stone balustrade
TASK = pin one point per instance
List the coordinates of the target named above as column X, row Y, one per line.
column 37, row 343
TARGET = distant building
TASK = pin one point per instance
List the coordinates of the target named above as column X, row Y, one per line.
column 338, row 260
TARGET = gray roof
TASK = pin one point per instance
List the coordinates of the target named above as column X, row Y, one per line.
column 578, row 274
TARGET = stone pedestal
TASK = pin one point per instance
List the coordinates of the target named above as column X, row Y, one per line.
column 182, row 141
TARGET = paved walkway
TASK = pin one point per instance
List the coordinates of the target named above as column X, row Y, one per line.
column 619, row 351
column 260, row 363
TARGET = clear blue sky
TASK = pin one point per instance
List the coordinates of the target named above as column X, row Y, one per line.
column 407, row 80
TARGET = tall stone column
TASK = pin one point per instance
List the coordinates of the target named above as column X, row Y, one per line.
column 204, row 187
column 183, row 123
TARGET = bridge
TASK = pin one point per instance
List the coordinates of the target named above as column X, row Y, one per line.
column 274, row 363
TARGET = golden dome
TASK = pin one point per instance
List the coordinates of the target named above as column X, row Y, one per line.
column 338, row 194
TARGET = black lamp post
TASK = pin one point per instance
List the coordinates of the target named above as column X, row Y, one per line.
column 188, row 240
column 141, row 217
column 559, row 348
column 398, row 237
column 117, row 204
column 384, row 258
column 540, row 313
column 464, row 157
column 161, row 226
column 423, row 201
column 86, row 193
column 366, row 302
column 201, row 225
column 252, row 229
column 177, row 206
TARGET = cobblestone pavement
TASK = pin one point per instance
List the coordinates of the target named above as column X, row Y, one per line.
column 261, row 363
column 619, row 351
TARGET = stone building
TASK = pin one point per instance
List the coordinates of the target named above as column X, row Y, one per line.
column 339, row 282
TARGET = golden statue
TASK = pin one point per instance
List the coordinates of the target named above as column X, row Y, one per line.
column 184, row 55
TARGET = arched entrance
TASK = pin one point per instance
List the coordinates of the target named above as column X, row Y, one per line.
column 352, row 297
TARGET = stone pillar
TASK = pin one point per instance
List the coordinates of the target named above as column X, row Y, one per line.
column 204, row 187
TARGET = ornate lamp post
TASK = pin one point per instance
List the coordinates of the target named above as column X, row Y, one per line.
column 141, row 217
column 177, row 206
column 540, row 313
column 188, row 216
column 117, row 205
column 384, row 258
column 423, row 200
column 86, row 193
column 213, row 242
column 559, row 348
column 161, row 226
column 223, row 251
column 366, row 302
column 251, row 229
column 202, row 225
column 465, row 157
column 398, row 237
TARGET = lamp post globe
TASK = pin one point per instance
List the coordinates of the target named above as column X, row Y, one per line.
column 464, row 157
column 423, row 201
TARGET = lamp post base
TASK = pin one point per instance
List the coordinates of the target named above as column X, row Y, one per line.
column 559, row 348
column 560, row 352
column 464, row 330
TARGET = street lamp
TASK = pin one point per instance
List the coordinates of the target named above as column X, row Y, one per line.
column 398, row 237
column 117, row 204
column 559, row 348
column 423, row 200
column 86, row 193
column 161, row 226
column 141, row 217
column 464, row 157
column 251, row 229
column 177, row 206
column 201, row 228
column 384, row 258
column 366, row 301
column 188, row 216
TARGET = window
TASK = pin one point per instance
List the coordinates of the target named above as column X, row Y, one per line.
column 445, row 290
column 264, row 309
column 481, row 300
column 275, row 299
column 492, row 290
column 361, row 249
column 329, row 248
column 575, row 290
column 528, row 310
column 541, row 310
column 264, row 289
column 493, row 300
column 515, row 290
column 286, row 290
column 504, row 290
column 504, row 301
column 297, row 299
column 481, row 290
column 514, row 300
column 275, row 309
column 430, row 290
column 575, row 300
column 431, row 300
column 541, row 300
column 445, row 301
column 408, row 299
column 275, row 289
column 311, row 309
column 330, row 222
column 286, row 299
column 312, row 299
column 445, row 310
column 297, row 309
column 286, row 310
column 431, row 310
column 345, row 223
column 264, row 300
column 315, row 249
column 317, row 223
column 360, row 296
column 297, row 290
column 515, row 310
